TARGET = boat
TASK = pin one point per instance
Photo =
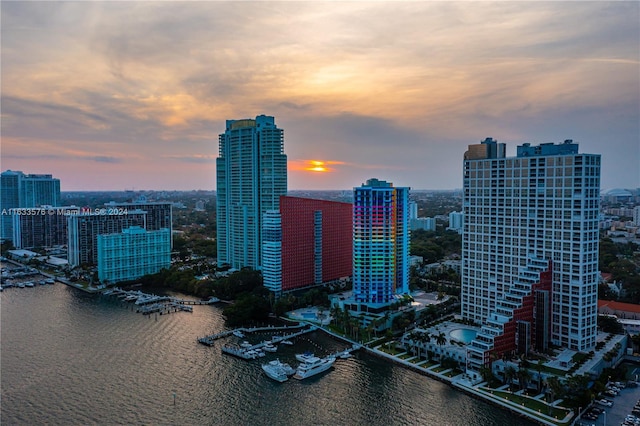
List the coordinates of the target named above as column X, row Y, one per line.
column 287, row 342
column 259, row 353
column 268, row 346
column 245, row 344
column 29, row 284
column 305, row 357
column 238, row 333
column 345, row 355
column 21, row 285
column 1, row 288
column 278, row 371
column 313, row 367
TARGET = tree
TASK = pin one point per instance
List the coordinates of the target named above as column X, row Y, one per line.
column 509, row 375
column 441, row 340
column 523, row 377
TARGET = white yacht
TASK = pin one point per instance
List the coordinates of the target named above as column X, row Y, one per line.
column 313, row 366
column 287, row 342
column 238, row 333
column 269, row 347
column 305, row 357
column 278, row 371
column 245, row 344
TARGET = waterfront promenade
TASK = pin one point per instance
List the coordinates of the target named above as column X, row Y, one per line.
column 462, row 383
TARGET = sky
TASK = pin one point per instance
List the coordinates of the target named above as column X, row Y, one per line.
column 133, row 95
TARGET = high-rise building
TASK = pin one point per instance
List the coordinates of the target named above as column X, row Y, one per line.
column 424, row 223
column 83, row 229
column 530, row 248
column 456, row 221
column 251, row 175
column 23, row 191
column 380, row 243
column 413, row 210
column 159, row 214
column 132, row 253
column 308, row 242
column 41, row 226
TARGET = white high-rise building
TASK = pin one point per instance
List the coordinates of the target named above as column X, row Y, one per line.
column 251, row 173
column 530, row 248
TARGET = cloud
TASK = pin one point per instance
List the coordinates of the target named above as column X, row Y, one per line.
column 399, row 87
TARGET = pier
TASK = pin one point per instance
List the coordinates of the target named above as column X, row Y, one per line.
column 150, row 303
column 208, row 340
column 254, row 351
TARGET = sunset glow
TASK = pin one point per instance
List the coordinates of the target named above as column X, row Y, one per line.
column 401, row 92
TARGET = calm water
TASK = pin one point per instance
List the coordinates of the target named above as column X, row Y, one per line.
column 68, row 358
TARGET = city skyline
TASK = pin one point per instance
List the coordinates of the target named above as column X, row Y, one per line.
column 133, row 95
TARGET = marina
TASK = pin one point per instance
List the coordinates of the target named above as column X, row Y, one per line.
column 104, row 385
column 148, row 304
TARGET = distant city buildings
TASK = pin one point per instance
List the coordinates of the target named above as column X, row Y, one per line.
column 251, row 175
column 19, row 190
column 306, row 243
column 413, row 210
column 530, row 248
column 456, row 222
column 380, row 244
column 424, row 223
column 132, row 253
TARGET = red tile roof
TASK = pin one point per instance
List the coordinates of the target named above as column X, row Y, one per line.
column 619, row 306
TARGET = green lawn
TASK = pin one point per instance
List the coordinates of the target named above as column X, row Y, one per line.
column 405, row 356
column 530, row 403
column 439, row 369
column 391, row 350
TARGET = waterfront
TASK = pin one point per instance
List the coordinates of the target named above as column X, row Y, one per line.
column 73, row 358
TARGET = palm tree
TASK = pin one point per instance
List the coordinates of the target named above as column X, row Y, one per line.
column 523, row 377
column 441, row 340
column 509, row 374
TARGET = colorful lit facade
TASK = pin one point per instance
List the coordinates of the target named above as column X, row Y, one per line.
column 251, row 175
column 306, row 243
column 530, row 248
column 380, row 243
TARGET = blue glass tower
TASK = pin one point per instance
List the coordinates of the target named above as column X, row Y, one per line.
column 251, row 173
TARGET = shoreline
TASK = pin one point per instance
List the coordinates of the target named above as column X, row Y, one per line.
column 468, row 390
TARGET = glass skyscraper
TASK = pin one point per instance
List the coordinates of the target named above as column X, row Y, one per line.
column 380, row 243
column 251, row 175
column 20, row 191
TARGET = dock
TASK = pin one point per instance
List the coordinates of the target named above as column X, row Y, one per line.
column 150, row 303
column 254, row 351
column 208, row 340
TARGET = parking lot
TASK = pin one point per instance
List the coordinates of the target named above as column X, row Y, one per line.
column 615, row 415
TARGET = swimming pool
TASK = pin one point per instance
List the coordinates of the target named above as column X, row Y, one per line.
column 464, row 335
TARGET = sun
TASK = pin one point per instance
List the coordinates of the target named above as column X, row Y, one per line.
column 317, row 166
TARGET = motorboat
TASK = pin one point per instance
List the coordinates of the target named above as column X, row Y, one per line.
column 269, row 347
column 313, row 367
column 245, row 344
column 305, row 357
column 278, row 371
column 239, row 334
column 287, row 342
